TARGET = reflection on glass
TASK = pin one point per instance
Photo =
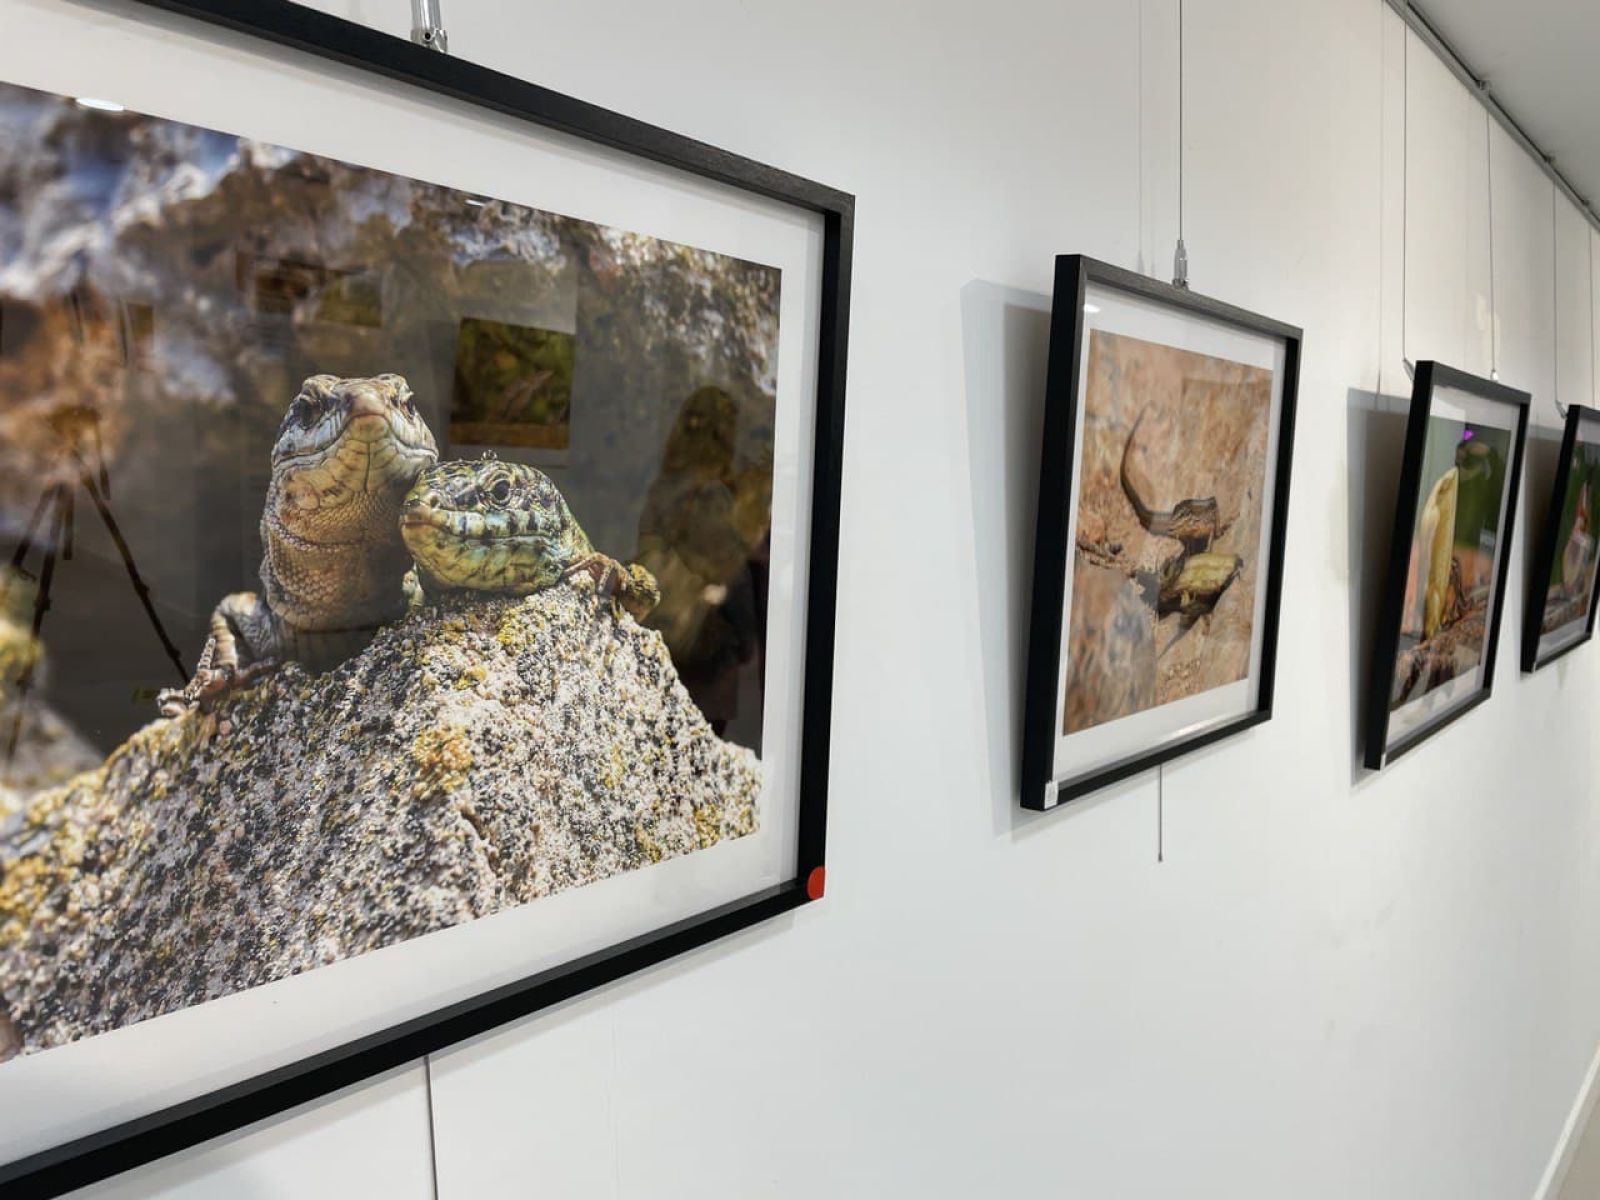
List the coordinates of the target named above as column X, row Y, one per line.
column 704, row 533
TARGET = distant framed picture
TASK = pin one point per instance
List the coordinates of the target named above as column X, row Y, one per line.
column 1563, row 588
column 1439, row 619
column 1163, row 504
column 419, row 501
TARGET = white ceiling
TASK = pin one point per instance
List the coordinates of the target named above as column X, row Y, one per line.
column 1542, row 61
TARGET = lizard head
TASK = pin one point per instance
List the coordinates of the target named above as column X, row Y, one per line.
column 490, row 525
column 368, row 432
column 345, row 455
column 1196, row 512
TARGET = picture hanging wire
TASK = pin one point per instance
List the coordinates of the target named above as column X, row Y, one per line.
column 1180, row 256
column 1488, row 168
column 1555, row 303
column 1161, row 812
column 427, row 26
column 1405, row 186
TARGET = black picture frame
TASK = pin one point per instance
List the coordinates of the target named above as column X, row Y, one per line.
column 1053, row 539
column 118, row 1148
column 1429, row 376
column 1578, row 415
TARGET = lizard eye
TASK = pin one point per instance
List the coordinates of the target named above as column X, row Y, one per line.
column 500, row 491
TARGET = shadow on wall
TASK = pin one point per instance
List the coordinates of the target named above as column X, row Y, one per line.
column 1541, row 459
column 1376, row 438
column 1005, row 335
column 1541, row 456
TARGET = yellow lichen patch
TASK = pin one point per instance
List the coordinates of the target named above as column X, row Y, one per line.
column 471, row 677
column 19, row 652
column 615, row 768
column 30, row 880
column 508, row 632
column 652, row 850
column 707, row 826
column 442, row 757
column 25, row 883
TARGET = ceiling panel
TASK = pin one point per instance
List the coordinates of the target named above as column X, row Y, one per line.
column 1540, row 58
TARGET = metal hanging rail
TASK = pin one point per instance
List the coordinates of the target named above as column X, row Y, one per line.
column 1420, row 24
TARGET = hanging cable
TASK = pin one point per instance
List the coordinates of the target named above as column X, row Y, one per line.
column 1145, row 258
column 1405, row 187
column 1161, row 812
column 1555, row 305
column 1488, row 167
column 1180, row 256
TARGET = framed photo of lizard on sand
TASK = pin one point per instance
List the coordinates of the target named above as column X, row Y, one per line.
column 1439, row 622
column 1163, row 500
column 418, row 532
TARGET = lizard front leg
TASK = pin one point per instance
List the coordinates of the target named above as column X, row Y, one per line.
column 243, row 643
column 631, row 586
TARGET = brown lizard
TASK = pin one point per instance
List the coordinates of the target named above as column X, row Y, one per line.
column 335, row 564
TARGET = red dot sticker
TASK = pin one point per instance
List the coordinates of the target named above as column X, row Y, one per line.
column 815, row 882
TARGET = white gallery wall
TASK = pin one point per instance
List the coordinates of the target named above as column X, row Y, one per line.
column 1261, row 972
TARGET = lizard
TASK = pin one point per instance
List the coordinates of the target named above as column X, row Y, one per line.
column 1196, row 523
column 1192, row 584
column 334, row 563
column 493, row 526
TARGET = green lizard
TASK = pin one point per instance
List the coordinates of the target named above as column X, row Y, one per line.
column 1193, row 583
column 504, row 527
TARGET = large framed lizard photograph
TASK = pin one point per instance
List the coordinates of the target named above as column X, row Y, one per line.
column 1565, row 584
column 1439, row 617
column 418, row 531
column 1163, row 503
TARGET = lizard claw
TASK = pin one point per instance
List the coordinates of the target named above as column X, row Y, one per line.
column 208, row 683
column 209, row 686
column 173, row 702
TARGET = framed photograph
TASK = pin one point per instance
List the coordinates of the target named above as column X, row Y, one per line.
column 1163, row 501
column 1561, row 600
column 419, row 500
column 1439, row 621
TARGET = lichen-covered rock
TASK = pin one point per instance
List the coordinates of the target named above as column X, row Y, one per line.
column 478, row 755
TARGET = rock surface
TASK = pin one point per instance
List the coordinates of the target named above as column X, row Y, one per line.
column 478, row 755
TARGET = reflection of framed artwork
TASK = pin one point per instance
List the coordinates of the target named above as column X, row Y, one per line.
column 1439, row 622
column 513, row 386
column 1163, row 499
column 1561, row 598
column 465, row 739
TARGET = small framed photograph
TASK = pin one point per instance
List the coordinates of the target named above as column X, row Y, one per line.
column 1439, row 620
column 1163, row 501
column 1561, row 601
